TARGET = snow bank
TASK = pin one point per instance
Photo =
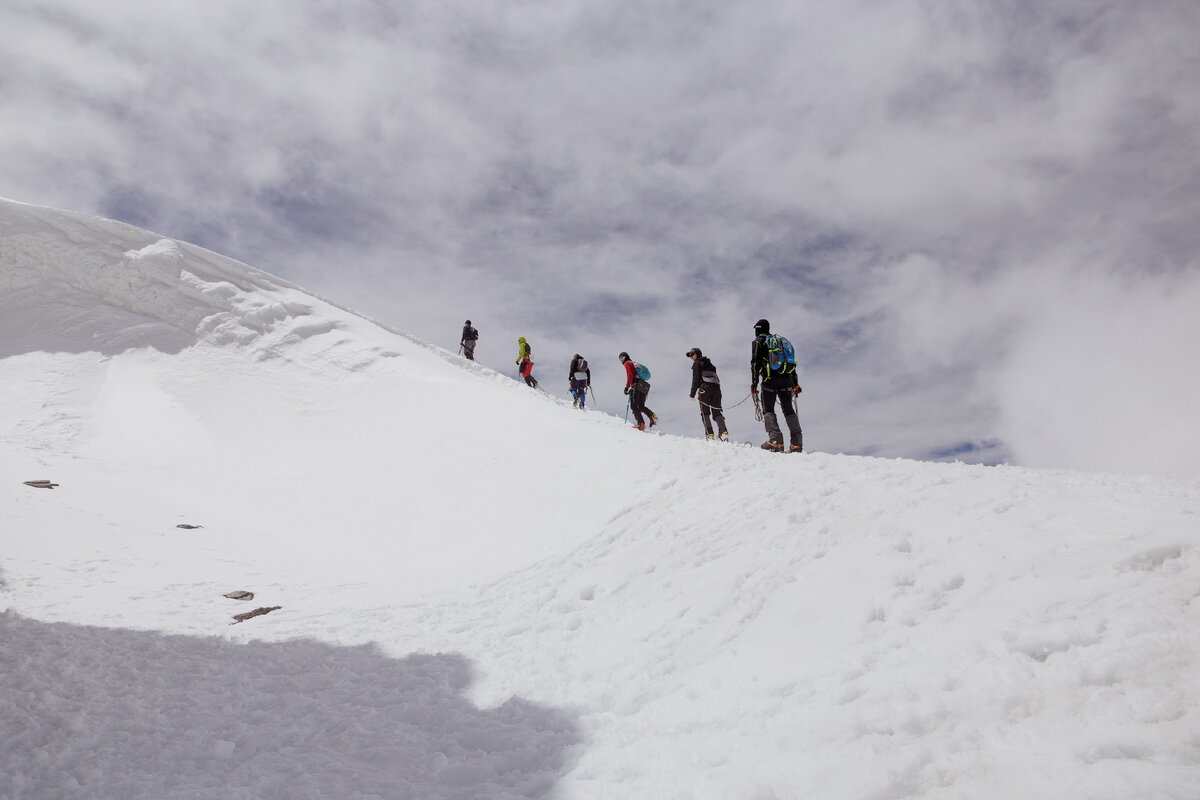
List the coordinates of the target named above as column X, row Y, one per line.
column 73, row 282
column 628, row 615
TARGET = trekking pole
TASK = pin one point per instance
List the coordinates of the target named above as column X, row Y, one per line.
column 627, row 408
column 589, row 388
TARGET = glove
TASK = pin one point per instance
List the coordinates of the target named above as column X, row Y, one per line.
column 796, row 391
column 626, row 390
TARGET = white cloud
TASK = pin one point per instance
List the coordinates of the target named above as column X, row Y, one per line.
column 1100, row 375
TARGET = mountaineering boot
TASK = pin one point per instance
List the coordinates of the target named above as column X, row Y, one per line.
column 639, row 427
column 653, row 420
column 797, row 435
column 774, row 441
column 724, row 436
column 708, row 436
column 575, row 403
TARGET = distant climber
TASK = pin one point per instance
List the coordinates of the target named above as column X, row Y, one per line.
column 580, row 378
column 706, row 383
column 774, row 361
column 525, row 362
column 469, row 337
column 637, row 386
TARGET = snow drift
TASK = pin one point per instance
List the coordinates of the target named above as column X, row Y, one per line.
column 486, row 593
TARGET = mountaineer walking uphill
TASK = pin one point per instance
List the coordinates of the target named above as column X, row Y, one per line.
column 708, row 385
column 579, row 378
column 773, row 359
column 467, row 342
column 637, row 386
column 525, row 362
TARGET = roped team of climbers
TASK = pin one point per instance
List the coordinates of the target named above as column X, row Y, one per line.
column 772, row 362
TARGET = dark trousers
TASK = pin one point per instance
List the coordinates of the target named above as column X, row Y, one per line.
column 469, row 349
column 637, row 401
column 710, row 408
column 784, row 394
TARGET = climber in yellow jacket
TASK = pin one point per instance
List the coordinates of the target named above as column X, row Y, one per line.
column 525, row 362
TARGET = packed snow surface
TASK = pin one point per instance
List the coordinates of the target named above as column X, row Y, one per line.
column 484, row 593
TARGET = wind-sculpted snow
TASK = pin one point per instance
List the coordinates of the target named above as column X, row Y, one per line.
column 677, row 618
column 71, row 281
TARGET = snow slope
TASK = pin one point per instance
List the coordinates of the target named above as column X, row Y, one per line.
column 486, row 593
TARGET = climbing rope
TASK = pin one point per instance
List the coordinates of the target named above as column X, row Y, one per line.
column 735, row 405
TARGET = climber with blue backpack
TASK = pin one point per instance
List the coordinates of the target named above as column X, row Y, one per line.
column 637, row 386
column 773, row 359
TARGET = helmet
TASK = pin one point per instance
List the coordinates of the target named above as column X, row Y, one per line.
column 520, row 338
column 623, row 356
column 695, row 351
column 761, row 327
column 468, row 322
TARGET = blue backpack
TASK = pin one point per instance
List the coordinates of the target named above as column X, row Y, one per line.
column 781, row 356
column 642, row 371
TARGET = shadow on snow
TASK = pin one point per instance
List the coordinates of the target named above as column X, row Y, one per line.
column 97, row 712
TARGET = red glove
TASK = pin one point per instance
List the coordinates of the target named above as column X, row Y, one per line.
column 796, row 391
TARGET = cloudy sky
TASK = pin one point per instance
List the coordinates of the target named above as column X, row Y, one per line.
column 979, row 223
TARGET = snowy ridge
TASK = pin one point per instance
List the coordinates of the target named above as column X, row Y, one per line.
column 117, row 287
column 485, row 593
